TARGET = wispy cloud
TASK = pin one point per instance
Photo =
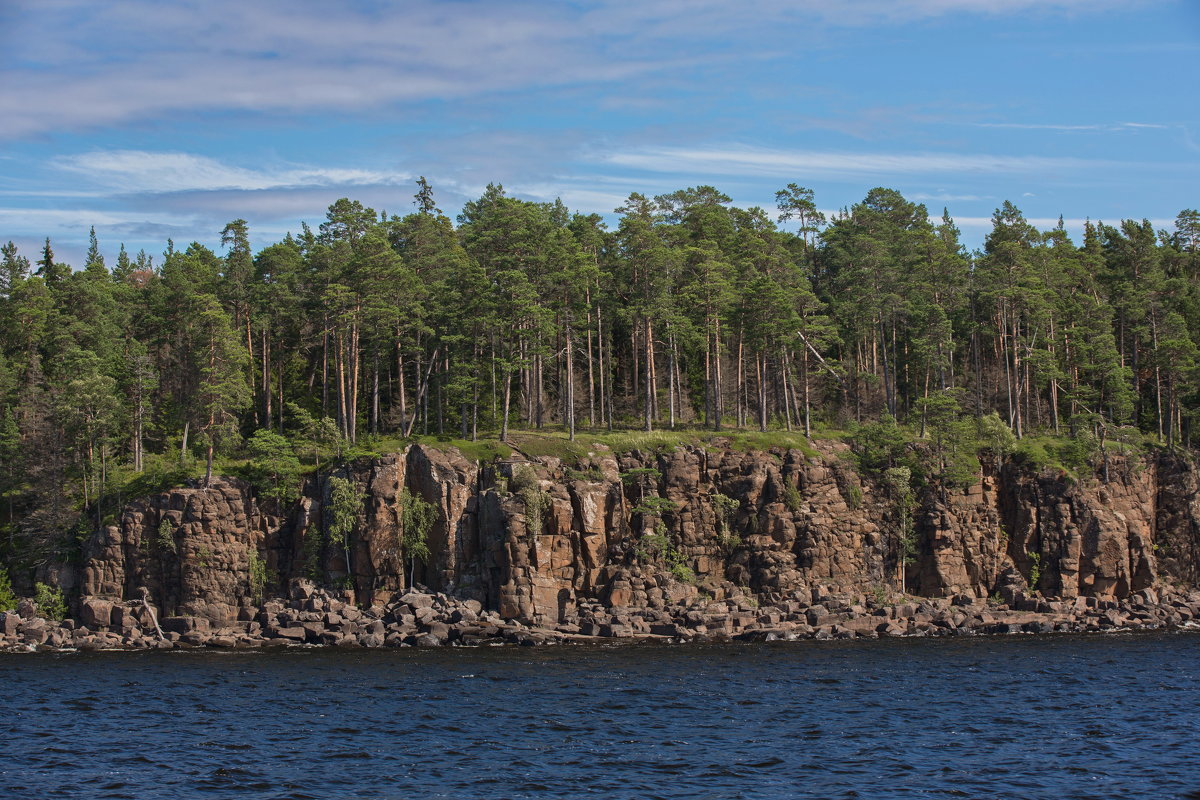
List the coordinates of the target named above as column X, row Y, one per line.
column 947, row 197
column 760, row 161
column 302, row 56
column 139, row 171
column 1101, row 126
column 1047, row 223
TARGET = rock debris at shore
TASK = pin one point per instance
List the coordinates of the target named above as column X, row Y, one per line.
column 316, row 617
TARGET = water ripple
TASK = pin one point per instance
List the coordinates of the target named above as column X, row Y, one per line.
column 1036, row 717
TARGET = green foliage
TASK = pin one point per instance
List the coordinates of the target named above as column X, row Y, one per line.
column 319, row 435
column 995, row 436
column 274, row 468
column 1077, row 453
column 589, row 475
column 636, row 475
column 260, row 576
column 49, row 601
column 1035, row 569
column 525, row 316
column 879, row 445
column 792, row 497
column 657, row 546
column 8, row 600
column 899, row 483
column 725, row 508
column 345, row 503
column 164, row 538
column 481, row 451
column 416, row 522
column 854, row 496
column 524, row 484
column 537, row 503
column 952, row 453
column 523, row 477
column 312, row 553
column 656, row 506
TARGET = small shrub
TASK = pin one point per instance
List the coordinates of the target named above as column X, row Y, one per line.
column 635, row 475
column 260, row 577
column 792, row 497
column 165, row 538
column 8, row 600
column 1077, row 452
column 854, row 496
column 416, row 518
column 589, row 475
column 725, row 507
column 682, row 573
column 345, row 501
column 1035, row 569
column 49, row 601
column 537, row 503
column 657, row 546
column 654, row 505
column 523, row 478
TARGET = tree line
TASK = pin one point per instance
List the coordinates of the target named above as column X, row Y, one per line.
column 687, row 312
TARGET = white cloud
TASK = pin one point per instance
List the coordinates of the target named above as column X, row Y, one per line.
column 1048, row 223
column 783, row 163
column 301, row 56
column 1101, row 126
column 136, row 171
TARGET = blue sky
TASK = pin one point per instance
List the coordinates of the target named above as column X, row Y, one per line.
column 152, row 120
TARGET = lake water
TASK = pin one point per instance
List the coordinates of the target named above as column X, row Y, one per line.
column 1015, row 717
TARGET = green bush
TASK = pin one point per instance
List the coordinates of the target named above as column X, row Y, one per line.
column 995, row 436
column 854, row 496
column 523, row 477
column 165, row 538
column 537, row 503
column 274, row 468
column 654, row 505
column 8, row 600
column 416, row 520
column 49, row 601
column 792, row 497
column 260, row 577
column 879, row 445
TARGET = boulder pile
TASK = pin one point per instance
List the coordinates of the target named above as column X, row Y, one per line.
column 310, row 616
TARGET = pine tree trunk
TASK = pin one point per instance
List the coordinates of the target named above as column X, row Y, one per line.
column 649, row 382
column 591, row 373
column 569, row 393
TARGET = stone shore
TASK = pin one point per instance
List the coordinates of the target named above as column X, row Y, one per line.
column 315, row 617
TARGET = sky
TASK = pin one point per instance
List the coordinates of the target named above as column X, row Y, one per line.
column 152, row 120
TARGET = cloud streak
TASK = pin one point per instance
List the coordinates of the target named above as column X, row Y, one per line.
column 768, row 162
column 1102, row 126
column 304, row 56
column 139, row 171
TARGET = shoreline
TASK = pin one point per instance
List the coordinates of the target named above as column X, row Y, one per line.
column 316, row 618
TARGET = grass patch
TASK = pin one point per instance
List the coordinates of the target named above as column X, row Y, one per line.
column 480, row 450
column 546, row 444
column 746, row 441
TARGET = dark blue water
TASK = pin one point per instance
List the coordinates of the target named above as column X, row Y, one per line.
column 1050, row 717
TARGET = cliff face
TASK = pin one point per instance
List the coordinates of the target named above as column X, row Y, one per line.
column 775, row 524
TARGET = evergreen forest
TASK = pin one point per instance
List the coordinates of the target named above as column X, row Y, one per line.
column 132, row 371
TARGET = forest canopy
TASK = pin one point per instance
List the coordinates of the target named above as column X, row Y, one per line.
column 689, row 312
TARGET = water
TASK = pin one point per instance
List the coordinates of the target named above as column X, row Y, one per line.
column 1046, row 717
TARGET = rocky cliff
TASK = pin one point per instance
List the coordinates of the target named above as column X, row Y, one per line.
column 545, row 543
